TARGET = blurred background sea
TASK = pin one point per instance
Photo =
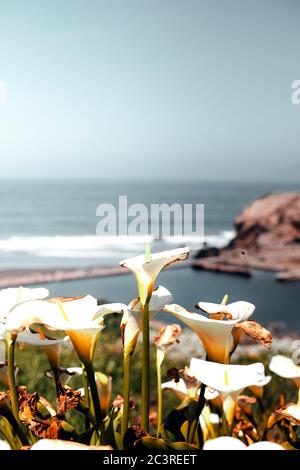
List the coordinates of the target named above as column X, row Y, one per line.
column 52, row 224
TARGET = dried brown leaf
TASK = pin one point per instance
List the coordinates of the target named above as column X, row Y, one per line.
column 255, row 331
column 286, row 412
column 167, row 336
column 67, row 400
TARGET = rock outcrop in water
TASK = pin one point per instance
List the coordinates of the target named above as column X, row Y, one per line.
column 268, row 237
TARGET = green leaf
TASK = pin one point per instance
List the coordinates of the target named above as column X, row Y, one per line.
column 161, row 444
column 150, row 443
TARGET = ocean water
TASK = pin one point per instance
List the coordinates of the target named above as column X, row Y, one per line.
column 53, row 224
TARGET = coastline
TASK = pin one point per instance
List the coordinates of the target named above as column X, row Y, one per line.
column 25, row 277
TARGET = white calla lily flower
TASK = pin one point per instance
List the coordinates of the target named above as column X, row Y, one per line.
column 58, row 444
column 224, row 443
column 232, row 443
column 286, row 368
column 131, row 319
column 265, row 445
column 4, row 445
column 181, row 389
column 130, row 331
column 240, row 310
column 215, row 335
column 228, row 380
column 147, row 270
column 104, row 388
column 258, row 390
column 38, row 339
column 14, row 296
column 80, row 317
column 65, row 374
column 161, row 296
column 184, row 390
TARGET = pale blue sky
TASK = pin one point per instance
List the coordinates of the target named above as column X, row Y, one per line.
column 146, row 88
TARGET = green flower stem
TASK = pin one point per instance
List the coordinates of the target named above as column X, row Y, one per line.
column 85, row 385
column 8, row 437
column 13, row 424
column 224, row 429
column 126, row 392
column 86, row 392
column 53, row 360
column 56, row 376
column 11, row 341
column 95, row 399
column 195, row 419
column 159, row 396
column 145, row 368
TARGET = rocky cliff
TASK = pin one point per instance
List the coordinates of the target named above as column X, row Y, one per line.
column 268, row 237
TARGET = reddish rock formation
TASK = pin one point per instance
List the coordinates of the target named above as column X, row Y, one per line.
column 268, row 237
column 271, row 220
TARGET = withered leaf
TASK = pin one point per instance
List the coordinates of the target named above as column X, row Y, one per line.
column 27, row 406
column 247, row 400
column 67, row 400
column 167, row 336
column 255, row 331
column 286, row 412
column 47, row 429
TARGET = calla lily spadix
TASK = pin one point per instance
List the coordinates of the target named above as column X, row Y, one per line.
column 214, row 334
column 147, row 270
column 286, row 368
column 228, row 380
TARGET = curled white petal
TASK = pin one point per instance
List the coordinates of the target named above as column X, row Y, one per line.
column 236, row 311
